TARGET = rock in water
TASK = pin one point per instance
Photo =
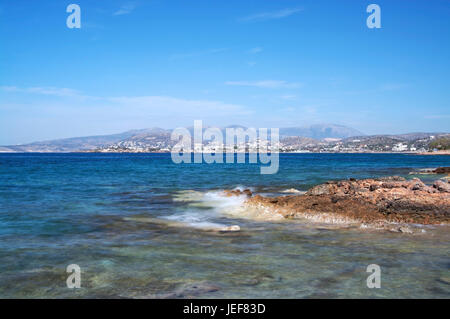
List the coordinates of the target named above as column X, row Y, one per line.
column 238, row 192
column 230, row 228
column 370, row 201
column 188, row 290
column 442, row 170
column 405, row 230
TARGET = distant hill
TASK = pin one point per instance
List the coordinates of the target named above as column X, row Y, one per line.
column 321, row 131
column 380, row 143
column 69, row 144
column 324, row 137
column 85, row 143
column 441, row 143
column 299, row 141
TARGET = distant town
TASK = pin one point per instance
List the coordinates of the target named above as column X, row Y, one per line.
column 294, row 144
column 325, row 138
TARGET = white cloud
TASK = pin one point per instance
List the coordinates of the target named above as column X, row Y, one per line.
column 255, row 50
column 43, row 90
column 125, row 9
column 385, row 87
column 9, row 88
column 134, row 106
column 288, row 97
column 270, row 84
column 271, row 15
column 393, row 86
column 437, row 117
column 181, row 106
column 196, row 54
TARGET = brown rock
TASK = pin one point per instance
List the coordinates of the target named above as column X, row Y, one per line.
column 320, row 189
column 442, row 186
column 417, row 184
column 390, row 199
column 238, row 192
column 442, row 170
column 391, row 178
column 247, row 192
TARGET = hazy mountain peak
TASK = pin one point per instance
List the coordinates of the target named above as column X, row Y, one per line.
column 321, row 131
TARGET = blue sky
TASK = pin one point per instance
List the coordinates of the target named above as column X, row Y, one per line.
column 138, row 64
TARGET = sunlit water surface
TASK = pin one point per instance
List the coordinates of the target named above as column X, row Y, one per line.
column 140, row 226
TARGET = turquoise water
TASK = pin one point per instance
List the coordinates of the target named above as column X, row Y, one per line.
column 140, row 226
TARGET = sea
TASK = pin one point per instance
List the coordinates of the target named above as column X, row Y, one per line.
column 141, row 226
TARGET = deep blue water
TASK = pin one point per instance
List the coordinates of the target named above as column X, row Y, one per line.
column 106, row 212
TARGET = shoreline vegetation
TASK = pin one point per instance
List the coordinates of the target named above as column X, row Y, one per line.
column 168, row 152
column 445, row 152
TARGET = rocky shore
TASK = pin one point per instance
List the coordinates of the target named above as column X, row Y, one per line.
column 368, row 202
column 444, row 152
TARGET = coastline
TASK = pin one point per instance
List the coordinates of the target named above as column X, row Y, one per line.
column 446, row 152
column 390, row 203
column 168, row 152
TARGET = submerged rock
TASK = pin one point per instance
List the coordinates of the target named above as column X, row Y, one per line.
column 442, row 170
column 371, row 201
column 230, row 228
column 406, row 230
column 193, row 290
column 238, row 192
column 439, row 170
column 187, row 290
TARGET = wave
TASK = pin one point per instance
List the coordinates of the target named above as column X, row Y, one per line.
column 172, row 221
column 210, row 205
column 196, row 219
column 211, row 211
column 293, row 191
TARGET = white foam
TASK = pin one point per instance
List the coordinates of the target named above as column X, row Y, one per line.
column 242, row 188
column 235, row 207
column 195, row 219
column 216, row 204
column 187, row 196
column 293, row 191
column 203, row 207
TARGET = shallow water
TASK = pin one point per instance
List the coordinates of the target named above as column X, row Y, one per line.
column 140, row 226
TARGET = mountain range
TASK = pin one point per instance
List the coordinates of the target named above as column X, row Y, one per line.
column 156, row 139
